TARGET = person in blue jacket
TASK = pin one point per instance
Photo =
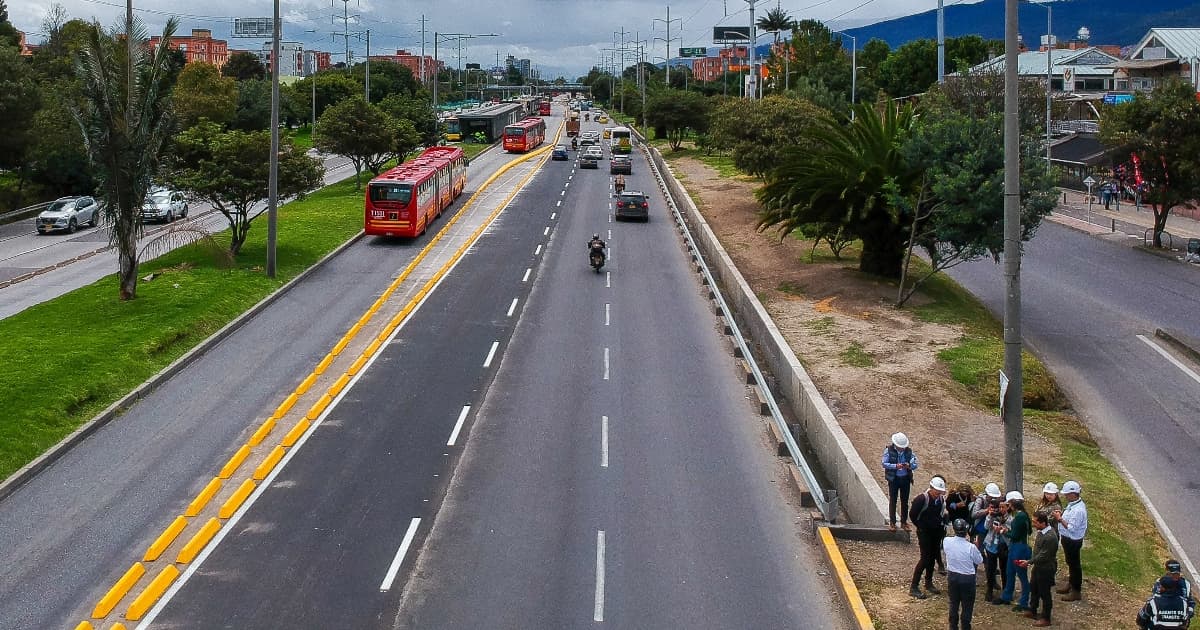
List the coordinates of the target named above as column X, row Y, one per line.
column 899, row 464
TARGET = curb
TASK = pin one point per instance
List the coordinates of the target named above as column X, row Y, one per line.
column 1185, row 344
column 30, row 470
column 846, row 586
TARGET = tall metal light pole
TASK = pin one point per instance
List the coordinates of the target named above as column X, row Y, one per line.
column 1051, row 44
column 753, row 87
column 273, row 177
column 941, row 42
column 1012, row 412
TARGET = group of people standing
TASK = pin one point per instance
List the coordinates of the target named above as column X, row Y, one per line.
column 991, row 529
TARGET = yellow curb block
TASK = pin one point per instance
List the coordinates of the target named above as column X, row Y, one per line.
column 154, row 590
column 117, row 626
column 324, row 364
column 235, row 500
column 235, row 461
column 357, row 365
column 85, row 625
column 268, row 464
column 338, row 385
column 306, row 383
column 204, row 497
column 262, row 432
column 117, row 592
column 285, row 406
column 198, row 541
column 294, row 435
column 370, row 351
column 341, row 344
column 849, row 590
column 163, row 541
column 318, row 407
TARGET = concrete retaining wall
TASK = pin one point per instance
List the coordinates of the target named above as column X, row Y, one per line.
column 860, row 495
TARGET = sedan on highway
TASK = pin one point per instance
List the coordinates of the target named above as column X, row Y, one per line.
column 164, row 205
column 559, row 152
column 589, row 160
column 67, row 214
column 620, row 164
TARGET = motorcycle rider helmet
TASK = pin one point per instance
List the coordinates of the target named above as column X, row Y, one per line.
column 595, row 237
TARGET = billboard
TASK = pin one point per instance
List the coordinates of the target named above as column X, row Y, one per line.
column 731, row 34
column 257, row 28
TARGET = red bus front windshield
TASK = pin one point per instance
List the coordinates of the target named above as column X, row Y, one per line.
column 399, row 194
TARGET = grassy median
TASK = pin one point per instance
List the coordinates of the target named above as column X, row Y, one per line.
column 67, row 359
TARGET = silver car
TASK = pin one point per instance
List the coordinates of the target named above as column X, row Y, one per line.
column 67, row 214
column 164, row 205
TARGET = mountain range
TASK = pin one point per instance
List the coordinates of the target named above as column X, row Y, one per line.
column 1118, row 22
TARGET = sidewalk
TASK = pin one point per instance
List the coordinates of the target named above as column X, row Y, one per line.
column 1131, row 221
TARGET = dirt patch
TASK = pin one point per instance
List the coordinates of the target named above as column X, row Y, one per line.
column 879, row 370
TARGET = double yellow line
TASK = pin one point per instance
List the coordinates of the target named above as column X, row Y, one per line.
column 153, row 591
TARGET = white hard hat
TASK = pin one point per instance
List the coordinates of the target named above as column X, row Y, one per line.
column 937, row 483
column 900, row 440
column 992, row 490
column 1050, row 488
column 1071, row 487
column 1014, row 496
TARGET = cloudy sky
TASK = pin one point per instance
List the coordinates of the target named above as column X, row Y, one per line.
column 561, row 37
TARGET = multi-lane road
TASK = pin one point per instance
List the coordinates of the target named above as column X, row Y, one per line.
column 537, row 446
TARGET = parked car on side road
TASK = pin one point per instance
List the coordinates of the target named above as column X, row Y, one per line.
column 632, row 204
column 67, row 214
column 164, row 205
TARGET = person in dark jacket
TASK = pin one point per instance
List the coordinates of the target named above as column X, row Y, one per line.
column 899, row 464
column 1175, row 570
column 1166, row 609
column 1016, row 533
column 1043, row 565
column 927, row 514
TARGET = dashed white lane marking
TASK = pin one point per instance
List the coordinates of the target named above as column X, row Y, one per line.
column 567, row 185
column 559, row 204
column 491, row 354
column 512, row 307
column 606, row 364
column 554, row 214
column 399, row 559
column 610, row 235
column 525, row 278
column 458, row 425
column 1176, row 362
column 562, row 192
column 598, row 614
column 604, row 441
column 606, row 314
column 547, row 231
column 608, row 279
column 537, row 250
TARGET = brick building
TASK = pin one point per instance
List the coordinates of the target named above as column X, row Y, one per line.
column 316, row 61
column 199, row 46
column 733, row 59
column 412, row 62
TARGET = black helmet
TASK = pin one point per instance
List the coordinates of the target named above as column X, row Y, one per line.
column 595, row 237
column 960, row 527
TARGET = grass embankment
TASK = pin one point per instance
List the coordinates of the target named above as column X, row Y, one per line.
column 302, row 138
column 67, row 359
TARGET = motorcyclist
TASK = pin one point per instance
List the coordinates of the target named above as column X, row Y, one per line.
column 597, row 244
column 574, row 144
column 619, row 184
column 587, row 117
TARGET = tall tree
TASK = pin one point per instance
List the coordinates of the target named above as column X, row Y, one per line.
column 675, row 113
column 20, row 100
column 760, row 132
column 419, row 112
column 8, row 32
column 1155, row 138
column 57, row 161
column 253, row 106
column 230, row 170
column 360, row 131
column 125, row 119
column 244, row 66
column 202, row 93
column 776, row 21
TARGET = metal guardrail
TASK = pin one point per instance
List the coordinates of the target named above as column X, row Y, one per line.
column 21, row 213
column 827, row 501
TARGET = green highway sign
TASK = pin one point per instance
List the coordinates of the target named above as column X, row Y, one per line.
column 693, row 52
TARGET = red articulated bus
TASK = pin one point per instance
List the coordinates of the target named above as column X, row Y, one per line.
column 544, row 108
column 406, row 199
column 524, row 135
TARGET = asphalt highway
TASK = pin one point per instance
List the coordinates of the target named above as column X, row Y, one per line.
column 1089, row 310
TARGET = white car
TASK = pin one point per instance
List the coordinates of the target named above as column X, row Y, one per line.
column 164, row 205
column 594, row 150
column 68, row 213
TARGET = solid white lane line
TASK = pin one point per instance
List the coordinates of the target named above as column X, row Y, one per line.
column 537, row 250
column 608, row 279
column 554, row 214
column 512, row 307
column 604, row 441
column 598, row 614
column 606, row 314
column 1166, row 355
column 399, row 559
column 491, row 354
column 547, row 231
column 525, row 278
column 458, row 425
column 606, row 364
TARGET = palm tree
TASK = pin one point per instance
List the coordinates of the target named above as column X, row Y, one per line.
column 775, row 21
column 125, row 118
column 846, row 177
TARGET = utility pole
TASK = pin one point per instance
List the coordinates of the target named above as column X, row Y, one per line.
column 422, row 62
column 367, row 70
column 273, row 176
column 1050, row 45
column 668, row 41
column 941, row 35
column 753, row 86
column 1012, row 403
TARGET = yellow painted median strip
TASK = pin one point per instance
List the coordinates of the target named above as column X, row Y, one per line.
column 204, row 497
column 153, row 591
column 198, row 541
column 268, row 464
column 118, row 591
column 235, row 500
column 163, row 541
column 845, row 581
column 263, row 430
column 230, row 466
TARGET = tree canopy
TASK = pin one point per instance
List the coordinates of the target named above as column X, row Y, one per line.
column 759, row 132
column 676, row 112
column 201, row 92
column 244, row 66
column 360, row 131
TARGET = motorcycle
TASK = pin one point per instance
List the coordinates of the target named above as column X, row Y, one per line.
column 596, row 256
column 574, row 144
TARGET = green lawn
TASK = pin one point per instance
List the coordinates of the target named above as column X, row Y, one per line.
column 302, row 138
column 67, row 359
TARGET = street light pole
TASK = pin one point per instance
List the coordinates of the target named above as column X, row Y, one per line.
column 753, row 82
column 273, row 170
column 941, row 43
column 1012, row 402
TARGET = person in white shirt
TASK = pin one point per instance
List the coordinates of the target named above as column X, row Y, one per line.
column 1072, row 527
column 962, row 559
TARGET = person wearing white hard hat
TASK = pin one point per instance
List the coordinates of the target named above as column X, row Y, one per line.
column 1016, row 532
column 927, row 513
column 1072, row 527
column 899, row 463
column 995, row 545
column 1050, row 502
